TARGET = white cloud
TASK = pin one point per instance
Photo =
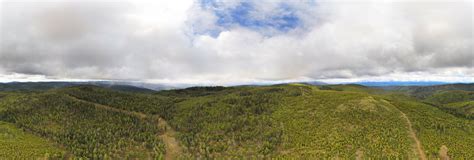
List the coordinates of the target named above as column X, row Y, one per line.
column 171, row 41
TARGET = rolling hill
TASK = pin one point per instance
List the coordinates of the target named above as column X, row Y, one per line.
column 281, row 121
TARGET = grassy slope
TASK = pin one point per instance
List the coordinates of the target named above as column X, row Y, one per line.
column 436, row 128
column 342, row 124
column 13, row 140
column 17, row 144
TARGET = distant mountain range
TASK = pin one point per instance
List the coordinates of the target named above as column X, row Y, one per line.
column 150, row 87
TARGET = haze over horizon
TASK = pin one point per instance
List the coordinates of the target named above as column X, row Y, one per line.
column 237, row 41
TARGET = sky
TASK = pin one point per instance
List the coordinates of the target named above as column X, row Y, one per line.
column 237, row 41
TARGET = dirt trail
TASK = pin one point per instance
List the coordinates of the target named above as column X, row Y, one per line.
column 443, row 153
column 419, row 148
column 173, row 149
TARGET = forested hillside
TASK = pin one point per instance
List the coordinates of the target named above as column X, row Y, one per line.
column 84, row 129
column 281, row 121
column 457, row 102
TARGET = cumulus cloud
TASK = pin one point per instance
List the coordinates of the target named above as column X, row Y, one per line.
column 238, row 41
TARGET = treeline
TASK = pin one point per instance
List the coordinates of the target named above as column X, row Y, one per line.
column 195, row 91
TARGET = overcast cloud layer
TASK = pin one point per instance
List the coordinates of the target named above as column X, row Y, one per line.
column 237, row 41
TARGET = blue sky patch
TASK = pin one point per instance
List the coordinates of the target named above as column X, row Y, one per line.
column 244, row 14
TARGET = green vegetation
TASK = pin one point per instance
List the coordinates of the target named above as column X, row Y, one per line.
column 436, row 128
column 16, row 144
column 465, row 109
column 281, row 121
column 144, row 103
column 445, row 97
column 85, row 129
column 348, row 88
column 237, row 124
column 423, row 92
column 341, row 124
column 456, row 102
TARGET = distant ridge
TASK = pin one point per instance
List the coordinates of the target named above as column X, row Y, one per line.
column 118, row 86
column 402, row 83
column 315, row 83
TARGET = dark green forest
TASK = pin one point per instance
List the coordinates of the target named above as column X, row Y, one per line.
column 284, row 121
